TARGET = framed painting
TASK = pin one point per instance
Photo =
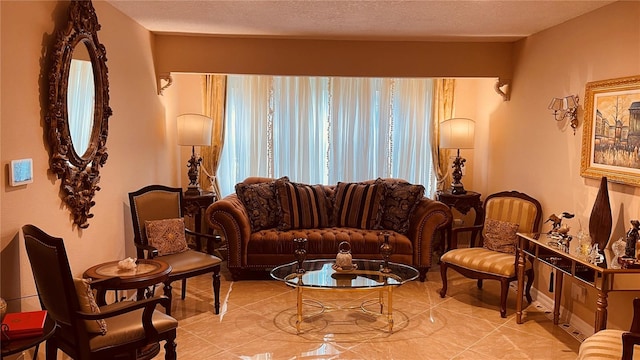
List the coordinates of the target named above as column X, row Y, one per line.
column 611, row 130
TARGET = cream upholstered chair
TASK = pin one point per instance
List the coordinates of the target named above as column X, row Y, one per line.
column 85, row 331
column 614, row 344
column 162, row 205
column 506, row 213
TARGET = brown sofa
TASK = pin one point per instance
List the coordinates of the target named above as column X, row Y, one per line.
column 261, row 247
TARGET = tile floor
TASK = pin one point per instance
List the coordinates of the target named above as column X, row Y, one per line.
column 257, row 322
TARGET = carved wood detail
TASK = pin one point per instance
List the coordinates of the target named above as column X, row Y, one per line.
column 79, row 173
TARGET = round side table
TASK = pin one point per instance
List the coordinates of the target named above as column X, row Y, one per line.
column 15, row 346
column 149, row 272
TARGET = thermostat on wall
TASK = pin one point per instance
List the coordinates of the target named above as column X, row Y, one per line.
column 21, row 172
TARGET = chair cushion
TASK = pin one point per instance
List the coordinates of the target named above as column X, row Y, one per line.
column 88, row 304
column 128, row 327
column 605, row 344
column 400, row 199
column 261, row 203
column 483, row 260
column 188, row 261
column 302, row 206
column 166, row 235
column 500, row 236
column 358, row 205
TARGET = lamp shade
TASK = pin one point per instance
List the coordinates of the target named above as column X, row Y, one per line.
column 194, row 129
column 457, row 133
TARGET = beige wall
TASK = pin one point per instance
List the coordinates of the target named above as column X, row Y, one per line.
column 139, row 151
column 529, row 151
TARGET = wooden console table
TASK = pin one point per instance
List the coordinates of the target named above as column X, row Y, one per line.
column 605, row 277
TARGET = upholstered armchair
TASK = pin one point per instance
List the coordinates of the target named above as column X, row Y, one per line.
column 159, row 232
column 506, row 213
column 84, row 330
column 614, row 344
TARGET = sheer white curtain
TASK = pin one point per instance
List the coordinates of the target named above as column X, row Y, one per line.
column 80, row 95
column 325, row 130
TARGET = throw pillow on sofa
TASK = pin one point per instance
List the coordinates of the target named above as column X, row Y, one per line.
column 358, row 205
column 302, row 206
column 261, row 202
column 400, row 199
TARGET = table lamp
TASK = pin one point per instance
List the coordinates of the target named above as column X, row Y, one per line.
column 194, row 130
column 457, row 133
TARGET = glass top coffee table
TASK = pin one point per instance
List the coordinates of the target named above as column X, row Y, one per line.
column 365, row 276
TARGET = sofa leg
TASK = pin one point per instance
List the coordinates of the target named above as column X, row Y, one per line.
column 235, row 273
column 423, row 273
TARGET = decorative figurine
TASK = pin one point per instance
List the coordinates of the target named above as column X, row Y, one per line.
column 557, row 222
column 632, row 238
column 343, row 258
column 559, row 232
column 619, row 248
column 300, row 253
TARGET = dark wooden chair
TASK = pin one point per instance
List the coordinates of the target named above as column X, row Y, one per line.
column 613, row 344
column 130, row 325
column 481, row 263
column 157, row 202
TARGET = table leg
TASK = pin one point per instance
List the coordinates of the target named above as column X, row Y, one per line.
column 299, row 306
column 520, row 290
column 601, row 311
column 557, row 298
column 390, row 308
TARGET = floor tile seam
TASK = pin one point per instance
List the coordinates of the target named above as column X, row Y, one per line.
column 203, row 339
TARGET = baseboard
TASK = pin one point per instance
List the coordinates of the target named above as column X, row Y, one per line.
column 575, row 326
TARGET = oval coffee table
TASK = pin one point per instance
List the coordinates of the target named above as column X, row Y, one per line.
column 367, row 275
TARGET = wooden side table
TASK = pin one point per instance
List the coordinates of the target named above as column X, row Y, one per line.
column 18, row 345
column 149, row 272
column 194, row 206
column 463, row 203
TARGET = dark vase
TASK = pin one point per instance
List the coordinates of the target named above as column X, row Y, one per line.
column 386, row 249
column 600, row 222
column 300, row 253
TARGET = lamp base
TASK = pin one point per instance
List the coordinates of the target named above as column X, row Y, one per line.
column 193, row 191
column 458, row 189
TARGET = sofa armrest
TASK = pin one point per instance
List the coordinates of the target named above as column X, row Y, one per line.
column 428, row 219
column 230, row 216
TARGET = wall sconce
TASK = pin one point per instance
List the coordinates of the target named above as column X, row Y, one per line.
column 457, row 133
column 194, row 130
column 566, row 108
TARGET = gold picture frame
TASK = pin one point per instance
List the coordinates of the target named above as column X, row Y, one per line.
column 611, row 130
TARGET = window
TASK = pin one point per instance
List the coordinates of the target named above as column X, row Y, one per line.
column 327, row 129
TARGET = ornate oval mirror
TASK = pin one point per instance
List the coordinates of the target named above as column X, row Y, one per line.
column 78, row 109
column 81, row 100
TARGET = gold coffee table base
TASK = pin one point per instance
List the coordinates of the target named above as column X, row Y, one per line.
column 366, row 275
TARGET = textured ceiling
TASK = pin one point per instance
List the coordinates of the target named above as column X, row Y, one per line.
column 364, row 20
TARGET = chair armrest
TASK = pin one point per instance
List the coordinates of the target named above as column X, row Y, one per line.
column 472, row 228
column 209, row 241
column 231, row 218
column 428, row 218
column 151, row 251
column 124, row 307
column 629, row 340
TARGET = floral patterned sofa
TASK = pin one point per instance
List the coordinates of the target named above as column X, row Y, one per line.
column 264, row 215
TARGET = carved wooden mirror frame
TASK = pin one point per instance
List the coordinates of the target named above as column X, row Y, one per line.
column 79, row 173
